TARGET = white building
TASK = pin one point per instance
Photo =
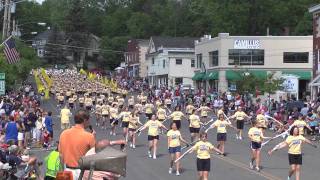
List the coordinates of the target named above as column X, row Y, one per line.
column 170, row 61
column 223, row 57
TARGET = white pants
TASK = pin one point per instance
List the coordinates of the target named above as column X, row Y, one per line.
column 75, row 173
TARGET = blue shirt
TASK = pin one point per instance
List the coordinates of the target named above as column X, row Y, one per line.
column 48, row 123
column 11, row 132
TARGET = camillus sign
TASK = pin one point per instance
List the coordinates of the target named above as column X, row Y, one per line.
column 247, row 44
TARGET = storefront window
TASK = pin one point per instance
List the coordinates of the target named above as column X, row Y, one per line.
column 178, row 81
column 246, row 57
column 296, row 57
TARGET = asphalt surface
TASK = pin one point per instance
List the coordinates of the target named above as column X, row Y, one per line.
column 232, row 167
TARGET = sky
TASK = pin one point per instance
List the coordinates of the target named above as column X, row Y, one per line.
column 40, row 1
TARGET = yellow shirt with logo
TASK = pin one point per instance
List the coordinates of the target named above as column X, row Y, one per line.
column 149, row 108
column 161, row 113
column 153, row 126
column 300, row 124
column 295, row 144
column 65, row 115
column 174, row 138
column 204, row 111
column 194, row 121
column 189, row 109
column 240, row 115
column 177, row 115
column 105, row 109
column 221, row 126
column 203, row 149
column 125, row 116
column 113, row 112
column 133, row 122
column 256, row 134
column 131, row 101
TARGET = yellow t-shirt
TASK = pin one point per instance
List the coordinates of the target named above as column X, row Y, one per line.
column 65, row 113
column 98, row 109
column 113, row 112
column 158, row 103
column 176, row 115
column 300, row 124
column 203, row 149
column 110, row 99
column 153, row 127
column 143, row 98
column 88, row 102
column 149, row 108
column 81, row 100
column 295, row 144
column 105, row 109
column 125, row 116
column 161, row 113
column 174, row 138
column 194, row 121
column 260, row 118
column 240, row 115
column 204, row 111
column 189, row 109
column 221, row 126
column 255, row 134
column 133, row 122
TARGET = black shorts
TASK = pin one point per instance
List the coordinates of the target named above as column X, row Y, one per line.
column 125, row 124
column 161, row 120
column 221, row 136
column 169, row 106
column 149, row 115
column 240, row 124
column 150, row 138
column 178, row 124
column 255, row 145
column 114, row 121
column 130, row 106
column 105, row 115
column 143, row 103
column 131, row 129
column 88, row 108
column 295, row 159
column 194, row 130
column 203, row 164
column 60, row 102
column 81, row 104
column 120, row 106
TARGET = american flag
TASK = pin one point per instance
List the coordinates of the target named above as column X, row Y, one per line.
column 10, row 51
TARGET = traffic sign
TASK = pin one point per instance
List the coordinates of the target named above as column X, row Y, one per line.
column 2, row 83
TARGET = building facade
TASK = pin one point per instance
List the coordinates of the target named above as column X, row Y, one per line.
column 223, row 57
column 135, row 57
column 170, row 61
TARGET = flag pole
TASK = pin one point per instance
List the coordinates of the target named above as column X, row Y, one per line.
column 5, row 40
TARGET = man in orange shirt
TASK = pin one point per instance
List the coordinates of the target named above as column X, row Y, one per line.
column 76, row 142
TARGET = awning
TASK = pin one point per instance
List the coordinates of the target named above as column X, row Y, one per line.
column 303, row 75
column 199, row 76
column 214, row 75
column 237, row 75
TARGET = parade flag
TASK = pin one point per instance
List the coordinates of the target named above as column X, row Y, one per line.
column 10, row 51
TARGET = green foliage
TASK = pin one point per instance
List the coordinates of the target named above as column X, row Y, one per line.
column 144, row 18
column 16, row 73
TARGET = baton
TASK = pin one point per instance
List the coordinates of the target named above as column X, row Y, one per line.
column 267, row 116
column 184, row 154
column 226, row 118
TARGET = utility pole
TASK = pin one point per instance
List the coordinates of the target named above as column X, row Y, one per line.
column 5, row 20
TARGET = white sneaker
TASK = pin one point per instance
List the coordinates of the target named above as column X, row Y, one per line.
column 149, row 154
column 257, row 169
column 133, row 146
column 251, row 165
column 114, row 134
column 154, row 157
column 170, row 170
column 237, row 137
column 240, row 138
column 177, row 173
column 110, row 132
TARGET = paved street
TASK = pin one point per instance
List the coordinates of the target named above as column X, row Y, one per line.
column 234, row 166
